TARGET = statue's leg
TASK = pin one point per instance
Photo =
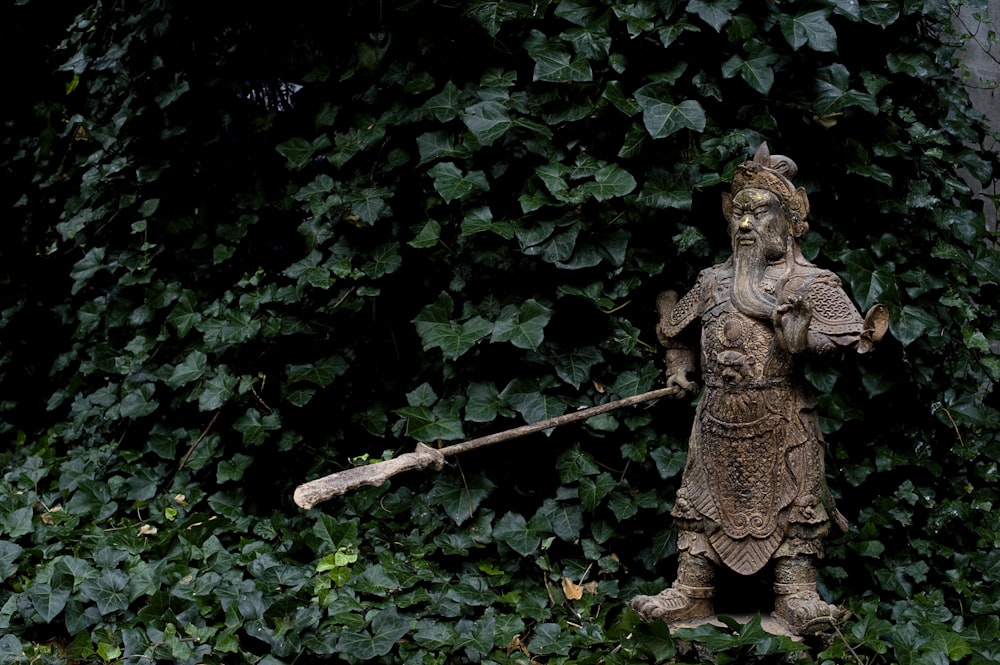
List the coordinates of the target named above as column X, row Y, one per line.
column 796, row 601
column 690, row 597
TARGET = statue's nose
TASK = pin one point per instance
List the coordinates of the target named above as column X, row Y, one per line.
column 745, row 223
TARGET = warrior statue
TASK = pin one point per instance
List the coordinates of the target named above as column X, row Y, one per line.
column 753, row 489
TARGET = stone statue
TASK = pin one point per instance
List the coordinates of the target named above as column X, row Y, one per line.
column 753, row 489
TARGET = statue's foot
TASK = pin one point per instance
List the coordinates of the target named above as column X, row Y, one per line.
column 807, row 613
column 671, row 604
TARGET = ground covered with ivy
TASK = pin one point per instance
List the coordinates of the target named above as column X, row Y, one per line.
column 245, row 249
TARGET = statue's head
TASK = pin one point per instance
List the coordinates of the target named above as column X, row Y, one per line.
column 764, row 206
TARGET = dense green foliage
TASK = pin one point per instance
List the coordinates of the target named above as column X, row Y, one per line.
column 245, row 250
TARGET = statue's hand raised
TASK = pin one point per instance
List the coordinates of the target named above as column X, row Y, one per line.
column 791, row 324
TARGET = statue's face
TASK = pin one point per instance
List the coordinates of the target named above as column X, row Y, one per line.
column 757, row 217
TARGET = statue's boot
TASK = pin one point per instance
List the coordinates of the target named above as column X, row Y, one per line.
column 796, row 601
column 690, row 596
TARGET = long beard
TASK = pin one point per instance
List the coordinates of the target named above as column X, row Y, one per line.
column 748, row 274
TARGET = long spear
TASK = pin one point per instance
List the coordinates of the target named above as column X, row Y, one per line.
column 322, row 489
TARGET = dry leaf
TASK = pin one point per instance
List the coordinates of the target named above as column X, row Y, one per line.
column 571, row 589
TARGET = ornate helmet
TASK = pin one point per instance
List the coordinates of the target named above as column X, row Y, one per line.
column 774, row 173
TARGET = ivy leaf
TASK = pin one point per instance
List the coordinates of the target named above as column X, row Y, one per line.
column 9, row 553
column 573, row 464
column 425, row 424
column 662, row 118
column 48, row 602
column 191, row 369
column 217, row 390
column 669, row 462
column 574, row 366
column 461, row 499
column 451, row 183
column 255, row 427
column 109, row 590
column 610, row 181
column 445, row 105
column 378, row 639
column 438, row 331
column 487, row 120
column 139, row 402
column 514, row 530
column 428, row 235
column 526, row 397
column 523, row 326
column 910, row 323
column 492, row 14
column 484, row 403
column 553, row 63
column 631, row 383
column 322, row 372
column 566, row 518
column 811, row 28
column 833, row 92
column 882, row 13
column 714, row 12
column 299, row 151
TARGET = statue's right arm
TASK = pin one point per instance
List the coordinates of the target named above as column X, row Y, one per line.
column 675, row 315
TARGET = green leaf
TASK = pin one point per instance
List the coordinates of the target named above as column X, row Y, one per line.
column 663, row 118
column 573, row 464
column 523, row 326
column 610, row 181
column 428, row 235
column 217, row 391
column 526, row 397
column 714, row 12
column 299, row 151
column 553, row 63
column 9, row 554
column 139, row 402
column 386, row 628
column 445, row 105
column 484, row 403
column 487, row 120
column 451, row 183
column 669, row 462
column 880, row 12
column 87, row 267
column 438, row 331
column 109, row 590
column 461, row 498
column 910, row 323
column 833, row 92
column 191, row 369
column 811, row 28
column 48, row 602
column 322, row 372
column 425, row 424
column 574, row 365
column 514, row 530
column 631, row 383
column 492, row 14
column 255, row 427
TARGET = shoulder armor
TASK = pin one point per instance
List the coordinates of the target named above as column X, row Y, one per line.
column 686, row 310
column 833, row 313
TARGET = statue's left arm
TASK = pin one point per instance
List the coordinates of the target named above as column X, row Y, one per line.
column 820, row 318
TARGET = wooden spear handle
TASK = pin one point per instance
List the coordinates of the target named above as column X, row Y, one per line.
column 322, row 489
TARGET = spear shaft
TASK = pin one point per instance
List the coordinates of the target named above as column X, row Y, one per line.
column 322, row 489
